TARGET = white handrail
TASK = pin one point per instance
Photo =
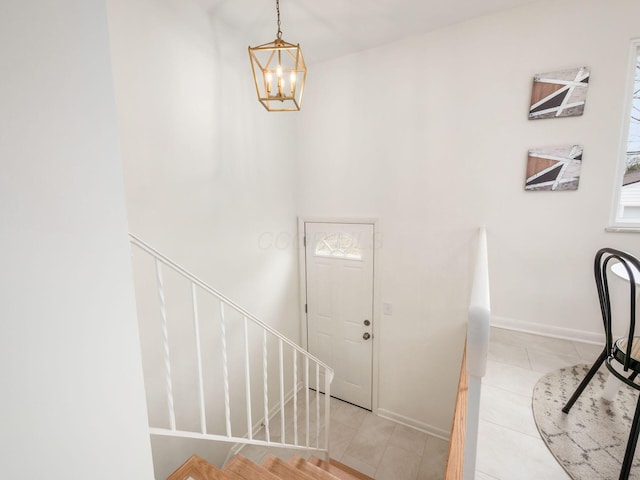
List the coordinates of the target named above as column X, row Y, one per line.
column 477, row 349
column 228, row 435
column 479, row 311
column 167, row 261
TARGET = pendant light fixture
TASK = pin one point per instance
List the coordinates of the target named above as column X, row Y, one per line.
column 279, row 73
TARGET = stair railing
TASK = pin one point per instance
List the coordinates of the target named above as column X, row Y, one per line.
column 302, row 380
column 463, row 445
column 477, row 350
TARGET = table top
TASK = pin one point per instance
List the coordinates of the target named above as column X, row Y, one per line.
column 620, row 271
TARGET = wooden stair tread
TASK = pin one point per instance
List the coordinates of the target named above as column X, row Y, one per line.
column 242, row 467
column 198, row 469
column 351, row 471
column 340, row 470
column 311, row 469
column 283, row 470
column 272, row 468
column 233, row 476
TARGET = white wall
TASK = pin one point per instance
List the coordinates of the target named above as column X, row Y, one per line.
column 209, row 178
column 208, row 172
column 431, row 135
column 72, row 403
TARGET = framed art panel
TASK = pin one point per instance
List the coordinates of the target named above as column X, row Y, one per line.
column 559, row 94
column 554, row 168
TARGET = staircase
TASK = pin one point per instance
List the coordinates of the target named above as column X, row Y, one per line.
column 266, row 391
column 272, row 468
column 228, row 376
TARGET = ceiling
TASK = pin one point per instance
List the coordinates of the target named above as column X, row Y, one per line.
column 328, row 29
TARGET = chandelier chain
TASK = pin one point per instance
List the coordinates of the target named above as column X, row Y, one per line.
column 278, row 12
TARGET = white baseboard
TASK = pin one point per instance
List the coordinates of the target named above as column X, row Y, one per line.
column 418, row 425
column 548, row 330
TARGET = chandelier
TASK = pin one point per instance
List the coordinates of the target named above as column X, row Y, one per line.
column 279, row 73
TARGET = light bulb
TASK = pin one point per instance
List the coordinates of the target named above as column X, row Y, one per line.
column 268, row 77
column 280, row 80
column 292, row 82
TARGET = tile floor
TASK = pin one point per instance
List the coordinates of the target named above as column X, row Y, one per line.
column 509, row 444
column 373, row 445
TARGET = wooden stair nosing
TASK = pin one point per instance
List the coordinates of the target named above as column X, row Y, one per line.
column 283, row 469
column 311, row 469
column 233, row 475
column 242, row 467
column 340, row 470
column 273, row 468
column 199, row 469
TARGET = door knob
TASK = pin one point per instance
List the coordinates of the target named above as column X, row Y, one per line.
column 367, row 323
column 366, row 336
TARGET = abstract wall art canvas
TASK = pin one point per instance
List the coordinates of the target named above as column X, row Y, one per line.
column 559, row 94
column 554, row 168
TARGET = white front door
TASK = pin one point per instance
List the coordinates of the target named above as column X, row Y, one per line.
column 339, row 271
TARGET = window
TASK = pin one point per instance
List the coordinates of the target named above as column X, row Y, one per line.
column 627, row 207
column 338, row 245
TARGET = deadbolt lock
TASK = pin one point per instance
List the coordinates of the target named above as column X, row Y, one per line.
column 367, row 323
column 366, row 336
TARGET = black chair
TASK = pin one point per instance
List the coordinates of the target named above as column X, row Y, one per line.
column 624, row 351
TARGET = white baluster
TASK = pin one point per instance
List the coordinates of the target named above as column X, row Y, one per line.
column 165, row 341
column 317, row 405
column 281, row 361
column 225, row 370
column 265, row 386
column 247, row 377
column 196, row 327
column 327, row 407
column 295, row 397
column 306, row 393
